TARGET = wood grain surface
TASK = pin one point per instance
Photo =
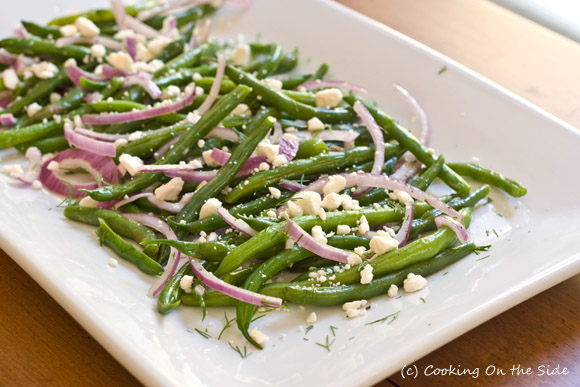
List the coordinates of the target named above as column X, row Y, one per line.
column 41, row 345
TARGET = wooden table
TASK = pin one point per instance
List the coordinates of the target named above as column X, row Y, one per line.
column 41, row 344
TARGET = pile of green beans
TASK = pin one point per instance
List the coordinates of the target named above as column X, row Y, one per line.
column 258, row 199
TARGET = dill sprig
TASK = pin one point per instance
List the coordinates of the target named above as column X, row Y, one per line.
column 388, row 319
column 327, row 344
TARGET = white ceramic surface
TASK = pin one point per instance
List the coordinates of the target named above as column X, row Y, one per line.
column 537, row 245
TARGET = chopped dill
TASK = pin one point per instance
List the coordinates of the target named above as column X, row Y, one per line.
column 203, row 334
column 333, row 329
column 228, row 324
column 422, row 299
column 479, row 259
column 442, row 70
column 308, row 328
column 327, row 345
column 243, row 354
column 388, row 319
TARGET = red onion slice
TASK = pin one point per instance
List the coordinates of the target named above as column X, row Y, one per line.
column 131, row 45
column 235, row 223
column 425, row 135
column 164, row 168
column 291, row 185
column 102, row 148
column 406, row 171
column 376, row 134
column 75, row 73
column 319, row 84
column 111, row 72
column 7, row 58
column 33, row 171
column 213, row 282
column 215, row 87
column 225, row 133
column 454, row 225
column 288, row 147
column 150, row 87
column 108, row 118
column 7, row 119
column 98, row 166
column 403, row 234
column 221, row 157
column 298, row 235
column 110, row 137
column 106, row 42
column 173, row 208
column 169, row 6
column 174, row 254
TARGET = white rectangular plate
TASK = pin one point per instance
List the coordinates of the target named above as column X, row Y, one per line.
column 537, row 245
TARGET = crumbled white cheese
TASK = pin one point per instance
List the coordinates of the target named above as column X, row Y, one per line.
column 171, row 92
column 195, row 163
column 242, row 110
column 113, row 262
column 130, row 163
column 186, row 282
column 170, row 190
column 87, row 201
column 53, row 166
column 349, row 203
column 279, row 160
column 309, row 201
column 258, row 336
column 354, row 259
column 265, row 148
column 414, row 283
column 54, row 97
column 383, row 244
column 354, row 313
column 209, row 208
column 393, row 290
column 360, row 250
column 275, row 192
column 241, row 55
column 322, row 213
column 121, row 61
column 312, row 318
column 36, row 184
column 199, row 290
column 86, row 27
column 70, row 62
column 157, row 45
column 13, row 169
column 44, row 70
column 343, row 229
column 366, row 274
column 354, row 305
column 294, row 210
column 263, row 166
column 98, row 51
column 196, row 77
column 332, row 201
column 208, row 159
column 318, row 235
column 402, row 196
column 328, row 98
column 335, row 183
column 272, row 83
column 32, row 109
column 363, row 226
column 193, row 117
column 315, row 124
column 10, row 79
column 69, row 30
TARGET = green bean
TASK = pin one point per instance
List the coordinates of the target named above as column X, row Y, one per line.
column 257, row 130
column 258, row 223
column 172, row 50
column 214, row 222
column 270, row 65
column 208, row 121
column 35, row 47
column 126, row 250
column 288, row 63
column 187, row 59
column 42, row 31
column 97, row 15
column 40, row 90
column 424, row 180
column 320, row 73
column 170, row 296
column 120, row 224
column 23, row 86
column 91, row 85
column 490, row 177
column 323, row 163
column 270, row 97
column 208, row 251
column 294, row 81
column 29, row 133
column 341, row 294
column 310, row 148
column 70, row 100
column 273, row 235
column 46, row 145
column 184, row 75
column 409, row 142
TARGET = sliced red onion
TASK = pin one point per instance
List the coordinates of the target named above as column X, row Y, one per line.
column 7, row 58
column 7, row 119
column 235, row 223
column 298, row 235
column 215, row 87
column 106, row 42
column 406, row 171
column 169, row 24
column 34, row 157
column 108, row 118
column 164, row 168
column 131, row 45
column 166, row 147
column 213, row 282
column 288, row 147
column 111, row 72
column 346, row 136
column 454, row 225
column 425, row 135
column 110, row 137
column 168, row 6
column 225, row 133
column 98, row 166
column 318, row 84
column 403, row 234
column 93, row 97
column 75, row 73
column 278, row 133
column 171, row 207
column 131, row 23
column 221, row 157
column 20, row 31
column 194, row 177
column 102, row 148
column 174, row 255
column 150, row 87
column 291, row 185
column 376, row 134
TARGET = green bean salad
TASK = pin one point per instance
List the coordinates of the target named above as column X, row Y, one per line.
column 222, row 172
